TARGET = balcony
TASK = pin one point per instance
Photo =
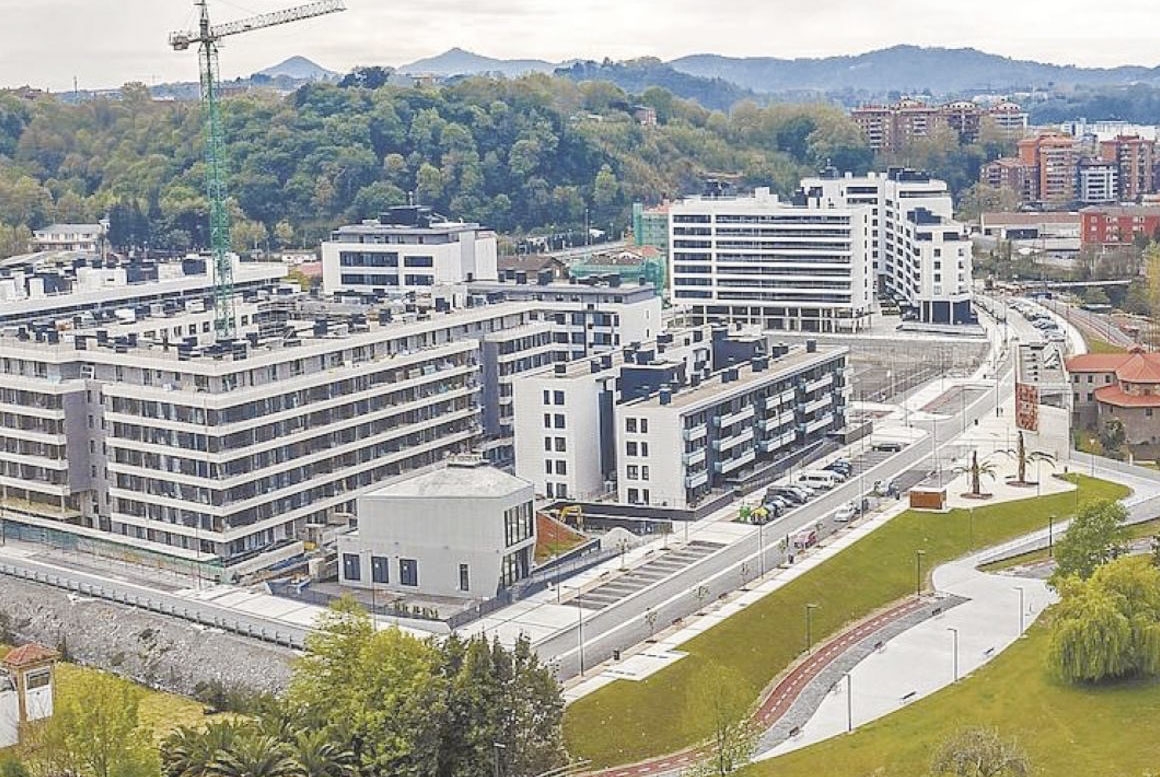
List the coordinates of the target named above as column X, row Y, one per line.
column 773, row 423
column 820, row 383
column 694, row 458
column 729, row 465
column 820, row 423
column 817, row 404
column 735, row 418
column 697, row 480
column 696, row 433
column 728, row 443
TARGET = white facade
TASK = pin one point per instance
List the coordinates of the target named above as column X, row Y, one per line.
column 680, row 446
column 758, row 260
column 922, row 257
column 464, row 530
column 384, row 258
column 69, row 237
column 231, row 457
column 1099, row 182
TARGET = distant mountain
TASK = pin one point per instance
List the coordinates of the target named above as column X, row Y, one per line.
column 637, row 75
column 906, row 69
column 457, row 62
column 299, row 69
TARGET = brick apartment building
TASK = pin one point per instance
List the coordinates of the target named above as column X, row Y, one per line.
column 1121, row 385
column 890, row 128
column 1117, row 225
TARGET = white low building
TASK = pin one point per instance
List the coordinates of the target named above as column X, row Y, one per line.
column 69, row 237
column 404, row 250
column 465, row 530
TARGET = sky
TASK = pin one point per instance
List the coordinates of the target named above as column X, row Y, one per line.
column 46, row 43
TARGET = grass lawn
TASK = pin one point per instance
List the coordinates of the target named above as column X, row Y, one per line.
column 160, row 712
column 1095, row 345
column 1135, row 531
column 1066, row 730
column 629, row 721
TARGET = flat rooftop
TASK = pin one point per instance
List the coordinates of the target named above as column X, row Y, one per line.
column 714, row 390
column 466, row 479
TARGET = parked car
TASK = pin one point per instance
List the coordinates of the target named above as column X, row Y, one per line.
column 846, row 513
column 888, row 446
column 820, row 478
column 787, row 493
column 843, row 468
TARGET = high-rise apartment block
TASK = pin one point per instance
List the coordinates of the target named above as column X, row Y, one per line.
column 891, row 128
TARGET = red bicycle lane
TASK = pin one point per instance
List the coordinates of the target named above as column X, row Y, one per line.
column 778, row 701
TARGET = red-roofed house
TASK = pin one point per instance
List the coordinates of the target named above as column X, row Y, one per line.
column 1120, row 385
column 26, row 689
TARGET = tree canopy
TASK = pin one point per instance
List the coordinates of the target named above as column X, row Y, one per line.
column 1095, row 536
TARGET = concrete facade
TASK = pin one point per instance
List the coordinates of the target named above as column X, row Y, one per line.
column 465, row 530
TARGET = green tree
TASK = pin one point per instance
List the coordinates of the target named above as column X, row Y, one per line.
column 1095, row 536
column 980, row 752
column 1108, row 627
column 1112, row 435
column 256, row 755
column 724, row 693
column 95, row 731
column 190, row 752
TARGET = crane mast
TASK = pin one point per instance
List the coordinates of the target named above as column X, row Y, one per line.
column 207, row 37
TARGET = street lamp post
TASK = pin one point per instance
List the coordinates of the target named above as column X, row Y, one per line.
column 761, row 547
column 1019, row 588
column 918, row 555
column 955, row 633
column 971, row 528
column 497, row 748
column 1092, row 455
column 849, row 703
column 580, row 632
column 809, row 627
column 1051, row 536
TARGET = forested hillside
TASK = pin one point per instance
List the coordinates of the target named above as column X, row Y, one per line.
column 520, row 155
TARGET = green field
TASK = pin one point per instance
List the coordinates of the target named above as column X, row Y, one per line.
column 630, row 721
column 1095, row 345
column 1066, row 730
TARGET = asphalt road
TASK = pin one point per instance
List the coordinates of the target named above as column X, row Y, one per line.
column 595, row 636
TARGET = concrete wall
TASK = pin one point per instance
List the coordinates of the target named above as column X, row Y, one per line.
column 9, row 713
column 439, row 533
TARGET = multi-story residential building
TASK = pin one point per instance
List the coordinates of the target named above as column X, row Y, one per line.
column 921, row 256
column 406, row 249
column 758, row 260
column 565, row 436
column 685, row 443
column 1099, row 182
column 1110, row 226
column 891, row 128
column 1055, row 158
column 143, row 434
column 1011, row 174
column 1135, row 159
column 588, row 317
column 86, row 238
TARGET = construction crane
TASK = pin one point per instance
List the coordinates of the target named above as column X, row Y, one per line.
column 207, row 38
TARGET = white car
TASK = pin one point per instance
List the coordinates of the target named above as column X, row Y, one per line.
column 845, row 513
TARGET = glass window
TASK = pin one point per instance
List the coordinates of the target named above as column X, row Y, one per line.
column 380, row 570
column 350, row 567
column 561, row 468
column 409, row 572
column 561, row 445
column 630, row 424
column 547, row 443
column 558, row 397
column 632, row 448
column 464, row 578
column 559, row 421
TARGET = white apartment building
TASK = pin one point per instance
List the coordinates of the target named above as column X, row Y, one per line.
column 587, row 318
column 144, row 434
column 758, row 260
column 685, row 443
column 921, row 255
column 406, row 250
column 86, row 238
column 564, row 433
column 465, row 530
column 1098, row 182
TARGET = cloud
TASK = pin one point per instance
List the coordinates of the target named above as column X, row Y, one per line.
column 47, row 42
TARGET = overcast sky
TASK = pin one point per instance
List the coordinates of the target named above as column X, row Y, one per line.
column 104, row 43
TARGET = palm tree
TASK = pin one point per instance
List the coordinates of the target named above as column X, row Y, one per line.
column 256, row 755
column 977, row 469
column 1025, row 457
column 318, row 756
column 189, row 752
